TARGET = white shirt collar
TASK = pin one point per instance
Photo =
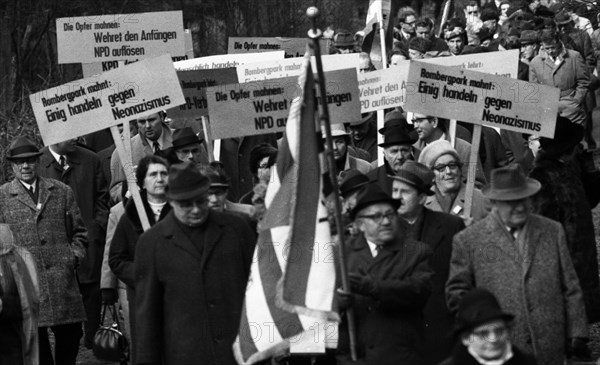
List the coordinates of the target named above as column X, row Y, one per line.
column 373, row 248
column 55, row 155
column 28, row 186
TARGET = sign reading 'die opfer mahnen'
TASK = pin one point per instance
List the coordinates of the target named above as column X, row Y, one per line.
column 502, row 64
column 90, row 39
column 194, row 84
column 481, row 98
column 382, row 89
column 293, row 47
column 91, row 69
column 114, row 97
column 261, row 107
column 293, row 67
column 226, row 60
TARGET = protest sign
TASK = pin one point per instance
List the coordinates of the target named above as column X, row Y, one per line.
column 99, row 38
column 293, row 47
column 112, row 98
column 194, row 84
column 382, row 89
column 483, row 99
column 226, row 61
column 289, row 67
column 504, row 64
column 96, row 68
column 261, row 107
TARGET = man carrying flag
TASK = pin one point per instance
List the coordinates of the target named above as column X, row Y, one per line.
column 290, row 292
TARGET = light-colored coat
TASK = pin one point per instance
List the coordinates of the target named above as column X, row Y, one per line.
column 571, row 76
column 42, row 230
column 479, row 209
column 539, row 286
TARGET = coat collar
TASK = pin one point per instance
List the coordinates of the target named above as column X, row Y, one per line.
column 45, row 188
column 212, row 234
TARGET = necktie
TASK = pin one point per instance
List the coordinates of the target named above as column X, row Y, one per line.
column 156, row 147
column 377, row 250
column 31, row 189
column 62, row 161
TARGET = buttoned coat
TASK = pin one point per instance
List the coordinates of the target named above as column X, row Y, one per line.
column 42, row 230
column 389, row 327
column 538, row 286
column 571, row 76
column 86, row 178
column 436, row 230
column 479, row 209
column 189, row 295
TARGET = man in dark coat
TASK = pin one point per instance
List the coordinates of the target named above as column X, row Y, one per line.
column 390, row 282
column 81, row 169
column 45, row 219
column 191, row 271
column 411, row 186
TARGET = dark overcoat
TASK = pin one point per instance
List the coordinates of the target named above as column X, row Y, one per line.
column 41, row 229
column 390, row 326
column 437, row 230
column 537, row 284
column 189, row 295
column 563, row 199
column 87, row 180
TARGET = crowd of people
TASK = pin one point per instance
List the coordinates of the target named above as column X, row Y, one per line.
column 507, row 275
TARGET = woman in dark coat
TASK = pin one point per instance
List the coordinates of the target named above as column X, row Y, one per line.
column 151, row 175
column 563, row 199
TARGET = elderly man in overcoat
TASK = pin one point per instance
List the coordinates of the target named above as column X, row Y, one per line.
column 390, row 281
column 45, row 219
column 522, row 258
column 191, row 273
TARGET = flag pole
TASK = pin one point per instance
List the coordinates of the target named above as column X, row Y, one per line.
column 315, row 34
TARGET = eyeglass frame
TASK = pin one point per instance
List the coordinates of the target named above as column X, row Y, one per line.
column 377, row 218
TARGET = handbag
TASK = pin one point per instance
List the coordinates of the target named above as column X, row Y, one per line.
column 109, row 342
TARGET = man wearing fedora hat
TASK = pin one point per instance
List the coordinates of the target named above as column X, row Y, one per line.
column 390, row 282
column 217, row 195
column 483, row 330
column 397, row 148
column 364, row 134
column 45, row 219
column 523, row 259
column 411, row 186
column 341, row 151
column 187, row 146
column 191, row 273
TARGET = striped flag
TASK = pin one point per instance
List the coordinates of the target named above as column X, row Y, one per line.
column 290, row 293
column 377, row 17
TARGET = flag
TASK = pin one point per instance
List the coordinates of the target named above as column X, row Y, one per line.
column 377, row 17
column 290, row 293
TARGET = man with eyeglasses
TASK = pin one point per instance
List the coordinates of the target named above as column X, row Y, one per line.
column 405, row 30
column 483, row 330
column 390, row 282
column 45, row 220
column 449, row 186
column 523, row 259
column 191, row 273
column 430, row 129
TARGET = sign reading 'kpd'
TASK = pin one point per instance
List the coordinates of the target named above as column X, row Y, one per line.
column 112, row 98
column 480, row 98
column 261, row 107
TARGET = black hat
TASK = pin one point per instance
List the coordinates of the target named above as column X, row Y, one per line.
column 351, row 181
column 397, row 135
column 22, row 147
column 372, row 194
column 394, row 118
column 186, row 182
column 218, row 179
column 478, row 307
column 184, row 136
column 566, row 136
column 562, row 18
column 489, row 14
column 417, row 175
column 259, row 152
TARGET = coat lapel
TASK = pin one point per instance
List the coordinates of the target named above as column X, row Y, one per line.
column 213, row 233
column 45, row 192
column 17, row 189
column 432, row 230
column 179, row 239
column 364, row 258
column 531, row 236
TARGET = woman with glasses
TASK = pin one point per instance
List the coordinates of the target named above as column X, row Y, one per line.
column 449, row 185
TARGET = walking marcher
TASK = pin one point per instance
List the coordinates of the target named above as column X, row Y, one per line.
column 43, row 215
column 191, row 271
column 523, row 259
